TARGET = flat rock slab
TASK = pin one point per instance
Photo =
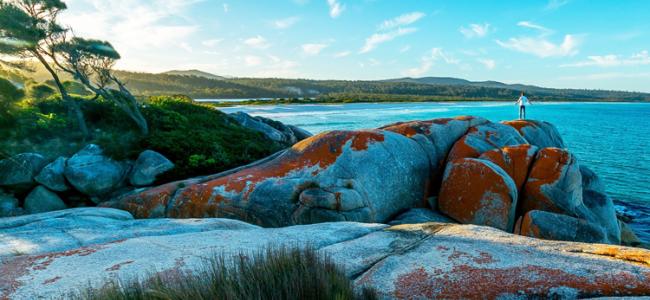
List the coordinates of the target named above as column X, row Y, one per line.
column 407, row 261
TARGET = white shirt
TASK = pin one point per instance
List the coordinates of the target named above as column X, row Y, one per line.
column 523, row 101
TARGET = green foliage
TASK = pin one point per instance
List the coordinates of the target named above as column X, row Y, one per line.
column 272, row 274
column 76, row 88
column 9, row 94
column 327, row 91
column 40, row 91
column 200, row 139
column 197, row 138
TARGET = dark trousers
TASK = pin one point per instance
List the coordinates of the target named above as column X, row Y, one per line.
column 522, row 112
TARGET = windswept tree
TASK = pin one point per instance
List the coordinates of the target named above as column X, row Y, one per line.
column 91, row 63
column 28, row 31
column 9, row 95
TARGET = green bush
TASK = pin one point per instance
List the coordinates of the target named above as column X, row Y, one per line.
column 272, row 274
column 198, row 139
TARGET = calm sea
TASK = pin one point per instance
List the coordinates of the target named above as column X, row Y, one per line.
column 611, row 138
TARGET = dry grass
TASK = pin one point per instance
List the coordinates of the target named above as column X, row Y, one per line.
column 272, row 274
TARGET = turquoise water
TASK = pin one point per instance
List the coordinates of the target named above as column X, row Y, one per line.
column 610, row 138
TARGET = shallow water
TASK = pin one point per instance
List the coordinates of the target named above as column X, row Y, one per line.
column 610, row 138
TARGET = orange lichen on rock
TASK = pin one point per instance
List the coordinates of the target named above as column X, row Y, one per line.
column 466, row 281
column 150, row 203
column 549, row 167
column 519, row 125
column 515, row 160
column 477, row 192
column 317, row 152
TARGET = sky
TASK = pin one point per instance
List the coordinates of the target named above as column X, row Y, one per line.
column 552, row 43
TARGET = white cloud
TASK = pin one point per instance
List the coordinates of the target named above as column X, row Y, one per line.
column 258, row 42
column 136, row 28
column 211, row 43
column 488, row 63
column 252, row 60
column 475, row 30
column 542, row 47
column 378, row 38
column 427, row 61
column 313, row 49
column 185, row 46
column 555, row 4
column 336, row 8
column 226, row 8
column 342, row 54
column 402, row 20
column 532, row 25
column 405, row 49
column 285, row 23
column 611, row 60
column 604, row 76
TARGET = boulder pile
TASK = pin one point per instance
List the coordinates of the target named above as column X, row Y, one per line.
column 86, row 178
column 514, row 176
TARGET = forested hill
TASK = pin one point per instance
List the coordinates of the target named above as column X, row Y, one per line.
column 201, row 85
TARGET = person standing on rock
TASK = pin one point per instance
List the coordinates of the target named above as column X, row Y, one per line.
column 522, row 102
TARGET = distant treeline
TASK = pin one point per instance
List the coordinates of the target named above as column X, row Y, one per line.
column 352, row 91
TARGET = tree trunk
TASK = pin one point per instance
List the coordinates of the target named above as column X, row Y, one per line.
column 72, row 103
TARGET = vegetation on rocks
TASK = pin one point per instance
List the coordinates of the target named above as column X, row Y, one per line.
column 272, row 274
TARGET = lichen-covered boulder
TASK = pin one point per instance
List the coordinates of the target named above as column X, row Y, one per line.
column 40, row 199
column 92, row 173
column 552, row 226
column 482, row 138
column 554, row 183
column 539, row 133
column 299, row 133
column 274, row 130
column 628, row 237
column 603, row 213
column 591, row 181
column 147, row 167
column 52, row 176
column 515, row 160
column 18, row 172
column 436, row 137
column 478, row 192
column 367, row 176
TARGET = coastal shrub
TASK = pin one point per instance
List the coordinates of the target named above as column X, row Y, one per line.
column 198, row 139
column 276, row 273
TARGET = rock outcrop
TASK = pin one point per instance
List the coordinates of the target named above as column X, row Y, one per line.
column 366, row 176
column 539, row 133
column 476, row 191
column 51, row 176
column 492, row 176
column 147, row 167
column 424, row 261
column 18, row 172
column 274, row 130
column 40, row 199
column 93, row 173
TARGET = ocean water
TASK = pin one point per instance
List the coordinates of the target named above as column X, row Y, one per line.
column 613, row 139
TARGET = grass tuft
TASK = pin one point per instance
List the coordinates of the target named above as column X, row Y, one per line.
column 280, row 273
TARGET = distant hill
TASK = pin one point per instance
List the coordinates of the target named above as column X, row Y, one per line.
column 196, row 73
column 202, row 85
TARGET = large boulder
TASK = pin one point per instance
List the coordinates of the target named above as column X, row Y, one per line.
column 478, row 192
column 554, row 183
column 8, row 204
column 274, row 130
column 18, row 172
column 92, row 173
column 539, row 133
column 436, row 137
column 52, row 176
column 40, row 199
column 552, row 226
column 147, row 167
column 367, row 175
column 483, row 138
column 423, row 261
column 515, row 160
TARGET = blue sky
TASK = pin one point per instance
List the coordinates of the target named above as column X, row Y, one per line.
column 556, row 43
